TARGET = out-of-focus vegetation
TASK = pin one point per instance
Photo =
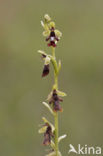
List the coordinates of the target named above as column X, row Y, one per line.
column 21, row 87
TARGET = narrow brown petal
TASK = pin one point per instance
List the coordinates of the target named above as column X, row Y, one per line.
column 43, row 56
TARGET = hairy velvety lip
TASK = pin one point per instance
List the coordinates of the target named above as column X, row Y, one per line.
column 55, row 100
column 47, row 136
column 45, row 70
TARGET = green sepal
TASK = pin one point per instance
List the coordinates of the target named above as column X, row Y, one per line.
column 60, row 93
column 46, row 33
column 42, row 130
column 58, row 33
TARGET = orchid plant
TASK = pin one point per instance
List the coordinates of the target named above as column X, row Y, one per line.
column 50, row 131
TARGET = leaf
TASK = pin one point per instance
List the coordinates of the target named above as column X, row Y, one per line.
column 60, row 93
column 62, row 137
column 49, row 108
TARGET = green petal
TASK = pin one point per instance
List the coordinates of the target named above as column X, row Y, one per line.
column 42, row 23
column 45, row 26
column 52, row 24
column 59, row 65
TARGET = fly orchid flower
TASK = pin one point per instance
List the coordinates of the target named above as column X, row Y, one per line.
column 48, row 130
column 46, row 66
column 47, row 135
column 46, row 59
column 52, row 35
column 54, row 99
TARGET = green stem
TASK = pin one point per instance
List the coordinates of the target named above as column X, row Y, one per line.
column 56, row 80
column 53, row 52
column 56, row 133
column 56, row 87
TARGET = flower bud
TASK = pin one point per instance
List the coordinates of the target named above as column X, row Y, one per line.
column 47, row 18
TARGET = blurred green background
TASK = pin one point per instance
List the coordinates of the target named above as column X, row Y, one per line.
column 22, row 89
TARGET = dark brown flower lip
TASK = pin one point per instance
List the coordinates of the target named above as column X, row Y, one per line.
column 57, row 107
column 45, row 70
column 52, row 43
column 47, row 139
column 47, row 135
column 55, row 100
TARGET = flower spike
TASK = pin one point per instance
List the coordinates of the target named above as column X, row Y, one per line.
column 52, row 36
